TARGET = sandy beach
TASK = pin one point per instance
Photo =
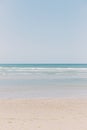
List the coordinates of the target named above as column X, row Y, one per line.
column 43, row 114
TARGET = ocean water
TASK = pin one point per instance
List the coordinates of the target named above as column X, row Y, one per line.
column 43, row 80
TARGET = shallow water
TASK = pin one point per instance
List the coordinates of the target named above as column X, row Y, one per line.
column 43, row 80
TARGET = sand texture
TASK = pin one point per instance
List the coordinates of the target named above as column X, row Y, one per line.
column 43, row 114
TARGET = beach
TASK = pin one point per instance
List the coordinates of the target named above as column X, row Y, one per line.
column 43, row 97
column 43, row 114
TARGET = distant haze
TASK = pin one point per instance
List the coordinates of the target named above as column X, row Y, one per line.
column 43, row 31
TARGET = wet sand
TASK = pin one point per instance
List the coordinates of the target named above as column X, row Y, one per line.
column 43, row 114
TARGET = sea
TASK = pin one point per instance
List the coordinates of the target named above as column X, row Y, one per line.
column 43, row 80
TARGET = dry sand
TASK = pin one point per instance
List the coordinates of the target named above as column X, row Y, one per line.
column 43, row 114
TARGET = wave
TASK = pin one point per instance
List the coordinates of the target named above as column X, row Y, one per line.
column 37, row 70
column 40, row 69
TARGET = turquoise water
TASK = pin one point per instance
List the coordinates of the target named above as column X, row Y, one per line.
column 43, row 80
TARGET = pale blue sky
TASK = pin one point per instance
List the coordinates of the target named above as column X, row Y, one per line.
column 43, row 31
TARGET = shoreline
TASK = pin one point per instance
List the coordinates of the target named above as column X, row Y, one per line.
column 43, row 114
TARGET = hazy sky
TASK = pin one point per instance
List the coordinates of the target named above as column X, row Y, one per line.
column 43, row 31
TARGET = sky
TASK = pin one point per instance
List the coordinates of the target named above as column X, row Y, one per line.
column 43, row 31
